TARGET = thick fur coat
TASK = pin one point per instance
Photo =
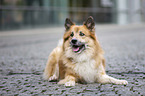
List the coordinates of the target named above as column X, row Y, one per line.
column 78, row 57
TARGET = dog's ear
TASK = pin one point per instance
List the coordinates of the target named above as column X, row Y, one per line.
column 89, row 23
column 68, row 23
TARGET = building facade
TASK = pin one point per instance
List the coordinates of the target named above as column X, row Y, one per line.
column 17, row 14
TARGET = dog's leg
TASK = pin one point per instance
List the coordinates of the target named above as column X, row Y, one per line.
column 55, row 75
column 69, row 80
column 104, row 78
column 108, row 79
column 51, row 70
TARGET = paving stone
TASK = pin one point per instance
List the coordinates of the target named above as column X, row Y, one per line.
column 23, row 58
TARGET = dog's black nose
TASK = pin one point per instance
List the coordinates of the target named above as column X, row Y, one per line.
column 74, row 41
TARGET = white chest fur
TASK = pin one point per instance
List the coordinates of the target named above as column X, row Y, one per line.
column 86, row 70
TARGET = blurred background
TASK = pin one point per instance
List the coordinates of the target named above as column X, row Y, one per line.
column 21, row 14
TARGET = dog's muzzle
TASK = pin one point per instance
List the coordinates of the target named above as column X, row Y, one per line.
column 77, row 46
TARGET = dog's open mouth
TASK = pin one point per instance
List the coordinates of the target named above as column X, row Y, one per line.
column 78, row 48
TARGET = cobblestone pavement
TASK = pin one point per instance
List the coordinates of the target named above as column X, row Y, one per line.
column 23, row 55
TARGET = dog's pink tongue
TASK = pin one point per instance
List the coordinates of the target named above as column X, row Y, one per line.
column 76, row 49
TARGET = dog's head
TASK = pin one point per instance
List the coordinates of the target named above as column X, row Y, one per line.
column 77, row 39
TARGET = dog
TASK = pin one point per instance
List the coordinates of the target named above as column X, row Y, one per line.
column 78, row 58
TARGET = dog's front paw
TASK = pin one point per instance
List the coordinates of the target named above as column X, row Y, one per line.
column 54, row 77
column 123, row 82
column 70, row 83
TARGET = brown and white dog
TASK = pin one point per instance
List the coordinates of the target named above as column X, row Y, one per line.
column 79, row 58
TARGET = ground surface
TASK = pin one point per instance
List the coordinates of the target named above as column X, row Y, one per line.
column 23, row 55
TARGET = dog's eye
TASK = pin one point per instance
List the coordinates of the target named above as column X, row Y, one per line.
column 82, row 34
column 72, row 34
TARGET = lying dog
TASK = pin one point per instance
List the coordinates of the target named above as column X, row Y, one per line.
column 79, row 58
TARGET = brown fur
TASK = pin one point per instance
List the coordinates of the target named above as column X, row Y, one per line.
column 85, row 67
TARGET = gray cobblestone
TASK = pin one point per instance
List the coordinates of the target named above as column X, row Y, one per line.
column 23, row 56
